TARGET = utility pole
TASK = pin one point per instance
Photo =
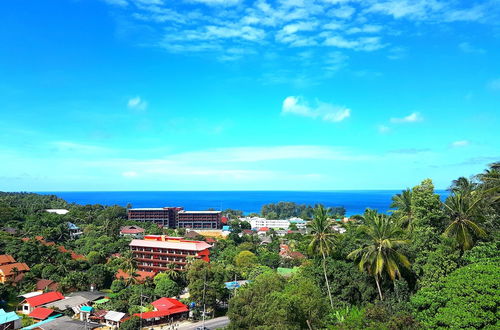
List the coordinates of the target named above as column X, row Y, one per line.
column 204, row 304
column 142, row 296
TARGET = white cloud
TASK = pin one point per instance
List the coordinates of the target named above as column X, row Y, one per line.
column 362, row 44
column 73, row 147
column 460, row 143
column 383, row 129
column 468, row 48
column 218, row 2
column 137, row 103
column 325, row 111
column 121, row 3
column 494, row 84
column 411, row 118
column 129, row 174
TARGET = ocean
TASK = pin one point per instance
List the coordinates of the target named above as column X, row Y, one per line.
column 355, row 201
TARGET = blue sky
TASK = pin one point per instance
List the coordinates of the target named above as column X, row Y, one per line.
column 240, row 94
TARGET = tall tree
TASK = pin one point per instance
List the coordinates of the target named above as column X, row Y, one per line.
column 404, row 213
column 378, row 252
column 323, row 239
column 463, row 210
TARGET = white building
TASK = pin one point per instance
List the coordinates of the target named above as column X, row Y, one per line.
column 256, row 223
column 57, row 211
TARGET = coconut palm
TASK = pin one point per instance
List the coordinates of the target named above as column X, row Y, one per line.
column 463, row 210
column 323, row 239
column 402, row 202
column 491, row 182
column 380, row 240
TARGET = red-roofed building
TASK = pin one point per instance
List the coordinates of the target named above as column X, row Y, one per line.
column 164, row 308
column 156, row 252
column 140, row 278
column 13, row 272
column 41, row 313
column 49, row 285
column 29, row 304
column 6, row 259
column 224, row 220
column 133, row 231
column 263, row 229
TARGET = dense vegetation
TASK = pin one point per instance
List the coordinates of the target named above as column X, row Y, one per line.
column 428, row 264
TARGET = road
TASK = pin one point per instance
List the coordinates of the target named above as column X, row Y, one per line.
column 217, row 323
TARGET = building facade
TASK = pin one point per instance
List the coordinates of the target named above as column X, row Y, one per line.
column 177, row 217
column 156, row 253
column 256, row 223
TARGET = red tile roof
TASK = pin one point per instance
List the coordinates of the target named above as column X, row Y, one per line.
column 263, row 229
column 8, row 269
column 164, row 306
column 131, row 230
column 141, row 275
column 43, row 284
column 41, row 313
column 6, row 259
column 44, row 298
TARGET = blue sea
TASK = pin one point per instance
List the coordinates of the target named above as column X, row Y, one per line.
column 355, row 201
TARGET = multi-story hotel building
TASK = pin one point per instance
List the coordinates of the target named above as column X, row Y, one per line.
column 199, row 219
column 155, row 253
column 177, row 217
column 256, row 223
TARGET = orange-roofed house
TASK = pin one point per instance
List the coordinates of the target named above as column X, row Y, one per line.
column 13, row 272
column 155, row 253
column 140, row 277
column 6, row 259
column 29, row 304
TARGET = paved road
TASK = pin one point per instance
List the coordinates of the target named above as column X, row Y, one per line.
column 217, row 323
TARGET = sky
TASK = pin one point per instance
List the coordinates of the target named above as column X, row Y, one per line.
column 246, row 95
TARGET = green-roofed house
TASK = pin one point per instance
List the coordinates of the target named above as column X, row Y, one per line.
column 9, row 320
column 287, row 272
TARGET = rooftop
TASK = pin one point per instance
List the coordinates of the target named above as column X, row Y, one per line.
column 67, row 303
column 175, row 245
column 6, row 259
column 57, row 211
column 114, row 316
column 41, row 313
column 201, row 212
column 7, row 317
column 9, row 268
column 44, row 298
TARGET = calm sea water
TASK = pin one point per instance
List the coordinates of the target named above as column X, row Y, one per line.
column 355, row 202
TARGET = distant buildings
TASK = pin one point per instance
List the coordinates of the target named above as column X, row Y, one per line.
column 33, row 301
column 256, row 223
column 155, row 253
column 177, row 217
column 165, row 309
column 10, row 270
column 74, row 230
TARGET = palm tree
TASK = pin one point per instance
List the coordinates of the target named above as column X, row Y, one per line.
column 381, row 238
column 171, row 272
column 323, row 239
column 491, row 181
column 404, row 210
column 463, row 209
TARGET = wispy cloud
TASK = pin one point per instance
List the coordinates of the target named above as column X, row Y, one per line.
column 411, row 118
column 494, row 84
column 383, row 129
column 325, row 111
column 460, row 144
column 468, row 48
column 137, row 103
column 262, row 25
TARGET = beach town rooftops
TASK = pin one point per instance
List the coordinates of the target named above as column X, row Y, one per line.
column 43, row 284
column 44, row 298
column 73, row 226
column 264, row 229
column 114, row 316
column 41, row 313
column 65, row 323
column 89, row 295
column 173, row 244
column 57, row 211
column 165, row 307
column 149, row 209
column 6, row 259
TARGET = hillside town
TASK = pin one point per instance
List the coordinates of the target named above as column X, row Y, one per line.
column 70, row 266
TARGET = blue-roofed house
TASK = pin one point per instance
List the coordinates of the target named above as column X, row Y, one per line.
column 74, row 230
column 9, row 320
